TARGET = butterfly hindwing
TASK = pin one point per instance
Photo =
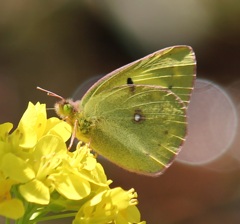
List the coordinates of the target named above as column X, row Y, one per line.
column 140, row 128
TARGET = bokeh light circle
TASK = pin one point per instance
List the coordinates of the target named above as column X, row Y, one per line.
column 212, row 124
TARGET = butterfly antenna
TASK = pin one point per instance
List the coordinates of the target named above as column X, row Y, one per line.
column 49, row 93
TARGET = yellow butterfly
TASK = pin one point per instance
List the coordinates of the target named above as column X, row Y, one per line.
column 136, row 115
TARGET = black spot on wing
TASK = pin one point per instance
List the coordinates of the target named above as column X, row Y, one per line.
column 131, row 85
column 129, row 81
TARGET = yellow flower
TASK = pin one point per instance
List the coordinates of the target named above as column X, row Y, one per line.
column 8, row 204
column 34, row 150
column 110, row 206
column 9, row 207
column 38, row 175
column 78, row 174
column 45, row 159
column 34, row 124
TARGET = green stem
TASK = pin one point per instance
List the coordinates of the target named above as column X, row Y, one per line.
column 53, row 217
column 7, row 221
column 30, row 209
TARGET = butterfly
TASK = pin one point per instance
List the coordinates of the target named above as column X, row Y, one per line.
column 136, row 115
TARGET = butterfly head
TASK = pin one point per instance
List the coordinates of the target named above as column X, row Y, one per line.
column 67, row 109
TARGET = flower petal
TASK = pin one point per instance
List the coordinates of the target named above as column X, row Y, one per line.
column 36, row 192
column 12, row 209
column 15, row 168
column 59, row 128
column 71, row 186
column 4, row 130
column 31, row 125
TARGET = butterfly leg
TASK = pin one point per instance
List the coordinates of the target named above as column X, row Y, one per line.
column 73, row 134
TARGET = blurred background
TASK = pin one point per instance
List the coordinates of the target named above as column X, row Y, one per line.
column 60, row 44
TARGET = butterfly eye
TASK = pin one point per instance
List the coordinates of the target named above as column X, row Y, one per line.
column 67, row 108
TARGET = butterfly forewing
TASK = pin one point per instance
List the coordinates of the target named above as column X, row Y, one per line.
column 140, row 128
column 173, row 68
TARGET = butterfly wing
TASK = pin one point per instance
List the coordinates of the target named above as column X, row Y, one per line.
column 140, row 128
column 173, row 68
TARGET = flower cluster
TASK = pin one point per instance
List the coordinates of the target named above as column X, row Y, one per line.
column 38, row 176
